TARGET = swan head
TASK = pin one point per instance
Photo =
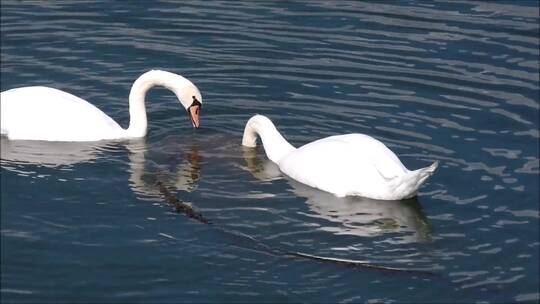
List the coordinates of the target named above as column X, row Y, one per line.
column 187, row 93
column 190, row 97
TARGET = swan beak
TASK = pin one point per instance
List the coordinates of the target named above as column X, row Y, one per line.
column 194, row 111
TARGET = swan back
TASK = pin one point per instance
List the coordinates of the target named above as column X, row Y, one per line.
column 42, row 113
column 343, row 164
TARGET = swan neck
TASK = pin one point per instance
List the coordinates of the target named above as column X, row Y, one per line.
column 137, row 109
column 275, row 145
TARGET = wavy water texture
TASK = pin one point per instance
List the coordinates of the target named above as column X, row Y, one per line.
column 455, row 81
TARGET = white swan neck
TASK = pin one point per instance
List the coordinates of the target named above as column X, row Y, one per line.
column 275, row 146
column 137, row 109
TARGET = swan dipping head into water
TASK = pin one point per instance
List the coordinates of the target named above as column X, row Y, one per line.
column 43, row 113
column 345, row 165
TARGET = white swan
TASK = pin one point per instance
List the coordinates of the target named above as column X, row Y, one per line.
column 43, row 113
column 351, row 164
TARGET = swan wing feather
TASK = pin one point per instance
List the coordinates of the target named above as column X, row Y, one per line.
column 341, row 163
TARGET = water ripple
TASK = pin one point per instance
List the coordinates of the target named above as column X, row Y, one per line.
column 454, row 82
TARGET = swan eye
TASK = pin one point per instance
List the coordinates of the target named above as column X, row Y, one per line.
column 196, row 102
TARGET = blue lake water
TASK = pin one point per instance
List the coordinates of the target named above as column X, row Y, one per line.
column 453, row 81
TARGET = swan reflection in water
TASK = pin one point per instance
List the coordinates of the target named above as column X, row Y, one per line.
column 49, row 154
column 181, row 172
column 350, row 215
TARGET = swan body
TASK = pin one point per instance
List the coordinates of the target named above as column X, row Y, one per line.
column 345, row 165
column 43, row 113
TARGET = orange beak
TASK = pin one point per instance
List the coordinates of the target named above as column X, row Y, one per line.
column 194, row 111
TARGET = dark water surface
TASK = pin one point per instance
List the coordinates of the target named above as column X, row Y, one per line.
column 450, row 81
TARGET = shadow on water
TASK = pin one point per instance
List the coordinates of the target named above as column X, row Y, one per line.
column 357, row 216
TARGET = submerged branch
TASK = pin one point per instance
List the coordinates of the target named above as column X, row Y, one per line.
column 180, row 207
column 185, row 209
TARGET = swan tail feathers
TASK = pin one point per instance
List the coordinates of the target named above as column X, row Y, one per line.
column 421, row 175
column 429, row 170
column 413, row 180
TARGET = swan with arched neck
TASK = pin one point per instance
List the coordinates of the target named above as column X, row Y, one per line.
column 44, row 113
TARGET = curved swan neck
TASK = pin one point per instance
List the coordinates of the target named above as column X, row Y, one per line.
column 137, row 109
column 275, row 146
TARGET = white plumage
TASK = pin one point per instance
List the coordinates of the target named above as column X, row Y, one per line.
column 43, row 113
column 352, row 164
